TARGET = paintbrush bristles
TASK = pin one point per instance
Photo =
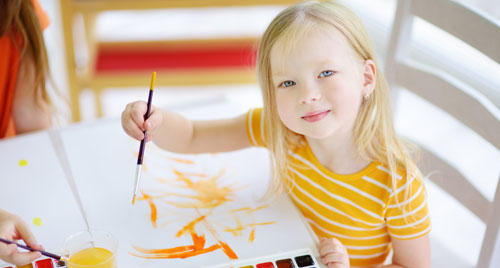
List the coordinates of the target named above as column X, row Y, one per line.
column 152, row 86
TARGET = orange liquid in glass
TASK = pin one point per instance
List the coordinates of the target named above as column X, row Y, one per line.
column 92, row 258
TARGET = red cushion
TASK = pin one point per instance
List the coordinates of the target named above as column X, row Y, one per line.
column 175, row 57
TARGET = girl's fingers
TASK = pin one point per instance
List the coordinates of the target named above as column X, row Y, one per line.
column 137, row 112
column 23, row 258
column 334, row 257
column 154, row 120
column 337, row 265
column 10, row 254
column 26, row 235
column 330, row 245
column 135, row 131
column 133, row 119
column 333, row 253
column 129, row 124
column 6, row 250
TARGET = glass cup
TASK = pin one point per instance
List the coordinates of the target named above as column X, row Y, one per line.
column 91, row 249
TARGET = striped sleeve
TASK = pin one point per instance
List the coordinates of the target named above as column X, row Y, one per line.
column 255, row 126
column 408, row 219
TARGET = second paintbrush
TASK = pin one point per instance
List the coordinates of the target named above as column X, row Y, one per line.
column 142, row 148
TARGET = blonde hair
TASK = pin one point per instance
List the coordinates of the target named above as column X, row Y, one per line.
column 19, row 17
column 375, row 137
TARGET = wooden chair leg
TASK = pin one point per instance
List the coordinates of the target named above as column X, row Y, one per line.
column 98, row 102
column 67, row 17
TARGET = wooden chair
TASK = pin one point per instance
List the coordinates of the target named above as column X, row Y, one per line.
column 455, row 98
column 99, row 72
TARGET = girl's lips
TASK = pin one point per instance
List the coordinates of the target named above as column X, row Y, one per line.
column 315, row 116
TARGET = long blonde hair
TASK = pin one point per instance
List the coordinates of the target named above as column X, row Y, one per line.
column 19, row 17
column 375, row 137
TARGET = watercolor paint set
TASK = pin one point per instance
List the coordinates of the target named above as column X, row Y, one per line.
column 301, row 258
column 40, row 263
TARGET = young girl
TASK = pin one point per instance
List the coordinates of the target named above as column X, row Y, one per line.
column 24, row 102
column 327, row 122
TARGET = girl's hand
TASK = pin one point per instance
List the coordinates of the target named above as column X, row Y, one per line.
column 133, row 120
column 13, row 228
column 333, row 254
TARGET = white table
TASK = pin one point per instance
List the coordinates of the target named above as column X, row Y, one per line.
column 102, row 159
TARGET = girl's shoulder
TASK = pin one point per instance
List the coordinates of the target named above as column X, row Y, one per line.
column 383, row 173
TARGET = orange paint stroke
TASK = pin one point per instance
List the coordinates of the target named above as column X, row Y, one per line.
column 153, row 197
column 229, row 251
column 184, row 161
column 251, row 237
column 189, row 226
column 189, row 196
column 201, row 175
column 197, row 204
column 183, row 175
column 199, row 241
column 178, row 252
column 237, row 231
column 243, row 227
column 165, row 250
column 152, row 206
column 225, row 247
column 208, row 193
column 181, row 255
column 248, row 209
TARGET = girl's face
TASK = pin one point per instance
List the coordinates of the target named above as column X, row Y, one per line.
column 319, row 84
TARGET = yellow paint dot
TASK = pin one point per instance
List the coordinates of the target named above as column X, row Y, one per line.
column 23, row 162
column 37, row 221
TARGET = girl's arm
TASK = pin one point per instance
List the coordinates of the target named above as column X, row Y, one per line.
column 30, row 111
column 411, row 253
column 177, row 134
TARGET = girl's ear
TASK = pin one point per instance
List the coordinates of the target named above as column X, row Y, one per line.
column 369, row 77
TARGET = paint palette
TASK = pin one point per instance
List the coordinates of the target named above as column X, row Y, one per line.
column 301, row 258
column 41, row 263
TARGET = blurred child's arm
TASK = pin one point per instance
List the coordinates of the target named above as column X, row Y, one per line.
column 30, row 111
column 175, row 133
column 413, row 253
column 13, row 228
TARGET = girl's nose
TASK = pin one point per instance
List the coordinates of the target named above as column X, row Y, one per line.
column 309, row 94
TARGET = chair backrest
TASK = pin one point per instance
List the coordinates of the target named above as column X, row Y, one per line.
column 456, row 98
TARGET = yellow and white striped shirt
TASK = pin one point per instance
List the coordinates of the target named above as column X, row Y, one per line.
column 358, row 209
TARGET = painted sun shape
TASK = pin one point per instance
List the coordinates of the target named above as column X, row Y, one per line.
column 208, row 193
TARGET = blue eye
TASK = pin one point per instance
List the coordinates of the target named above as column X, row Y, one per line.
column 325, row 73
column 287, row 83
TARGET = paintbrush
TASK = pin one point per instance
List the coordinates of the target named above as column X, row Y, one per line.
column 60, row 259
column 142, row 148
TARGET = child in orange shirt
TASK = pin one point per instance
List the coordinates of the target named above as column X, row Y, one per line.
column 24, row 102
